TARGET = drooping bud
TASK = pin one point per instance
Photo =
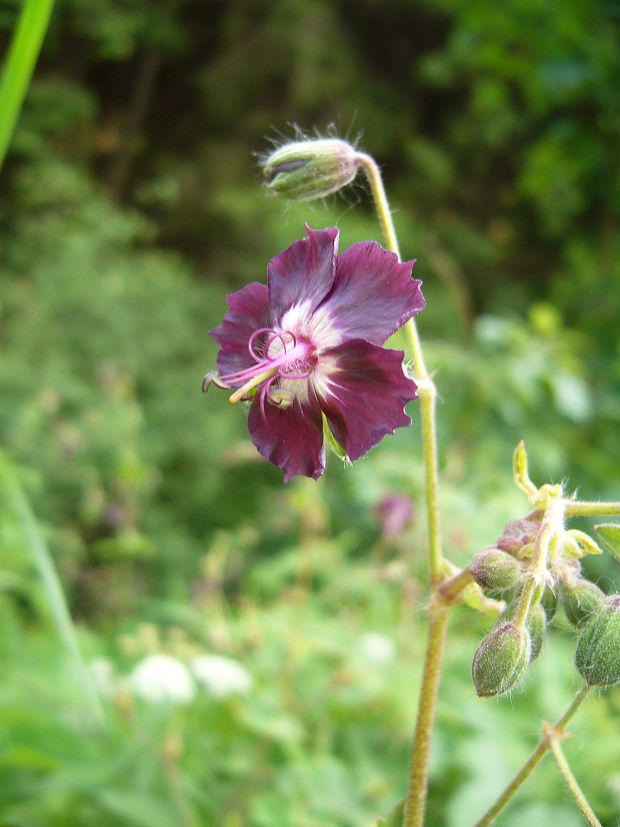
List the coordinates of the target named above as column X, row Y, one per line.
column 579, row 599
column 495, row 570
column 306, row 170
column 501, row 660
column 598, row 648
column 536, row 626
column 549, row 602
column 546, row 597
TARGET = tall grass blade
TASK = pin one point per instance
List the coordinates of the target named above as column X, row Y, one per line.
column 19, row 65
column 15, row 500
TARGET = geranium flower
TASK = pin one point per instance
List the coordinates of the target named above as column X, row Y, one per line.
column 306, row 348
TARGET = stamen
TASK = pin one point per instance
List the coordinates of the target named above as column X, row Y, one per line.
column 265, row 392
column 304, row 375
column 256, row 333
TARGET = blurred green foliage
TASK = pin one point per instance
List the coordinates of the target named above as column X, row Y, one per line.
column 129, row 206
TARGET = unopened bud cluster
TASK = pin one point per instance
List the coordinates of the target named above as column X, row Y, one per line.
column 310, row 169
column 598, row 648
column 503, row 656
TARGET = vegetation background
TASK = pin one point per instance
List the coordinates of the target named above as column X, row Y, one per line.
column 130, row 204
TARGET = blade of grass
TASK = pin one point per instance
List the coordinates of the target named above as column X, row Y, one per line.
column 16, row 501
column 19, row 66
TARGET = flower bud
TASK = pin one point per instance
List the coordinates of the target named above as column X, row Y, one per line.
column 598, row 648
column 501, row 660
column 536, row 626
column 520, row 533
column 537, row 620
column 305, row 170
column 579, row 599
column 495, row 570
column 546, row 597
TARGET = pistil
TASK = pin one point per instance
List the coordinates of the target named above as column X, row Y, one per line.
column 267, row 368
column 238, row 395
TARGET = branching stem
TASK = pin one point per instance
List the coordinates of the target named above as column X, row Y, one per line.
column 534, row 760
column 571, row 782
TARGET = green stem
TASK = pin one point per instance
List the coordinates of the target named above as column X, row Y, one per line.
column 571, row 782
column 451, row 589
column 415, row 804
column 19, row 66
column 577, row 508
column 439, row 611
column 426, row 387
column 18, row 503
column 533, row 761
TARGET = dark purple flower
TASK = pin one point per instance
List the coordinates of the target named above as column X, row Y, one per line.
column 307, row 348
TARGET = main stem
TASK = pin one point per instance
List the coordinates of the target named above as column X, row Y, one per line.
column 438, row 611
column 543, row 747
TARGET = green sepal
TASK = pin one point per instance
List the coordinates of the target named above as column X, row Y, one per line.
column 333, row 444
column 585, row 542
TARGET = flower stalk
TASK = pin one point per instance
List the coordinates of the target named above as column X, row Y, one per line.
column 426, row 386
column 439, row 611
column 578, row 508
column 571, row 782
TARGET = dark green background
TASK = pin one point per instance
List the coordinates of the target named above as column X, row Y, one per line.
column 130, row 203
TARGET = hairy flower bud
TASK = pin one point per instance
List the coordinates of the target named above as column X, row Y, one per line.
column 546, row 597
column 520, row 533
column 501, row 660
column 306, row 170
column 598, row 648
column 495, row 570
column 537, row 620
column 579, row 599
column 536, row 626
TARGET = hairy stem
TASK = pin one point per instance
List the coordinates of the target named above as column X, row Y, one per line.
column 571, row 782
column 415, row 804
column 438, row 610
column 577, row 508
column 426, row 387
column 534, row 760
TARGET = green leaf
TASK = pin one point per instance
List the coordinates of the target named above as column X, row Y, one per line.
column 609, row 535
column 137, row 809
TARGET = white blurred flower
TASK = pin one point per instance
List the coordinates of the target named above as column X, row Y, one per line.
column 221, row 676
column 377, row 647
column 103, row 674
column 161, row 678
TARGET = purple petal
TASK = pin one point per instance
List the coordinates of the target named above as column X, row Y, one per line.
column 364, row 396
column 249, row 311
column 373, row 293
column 291, row 438
column 303, row 273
